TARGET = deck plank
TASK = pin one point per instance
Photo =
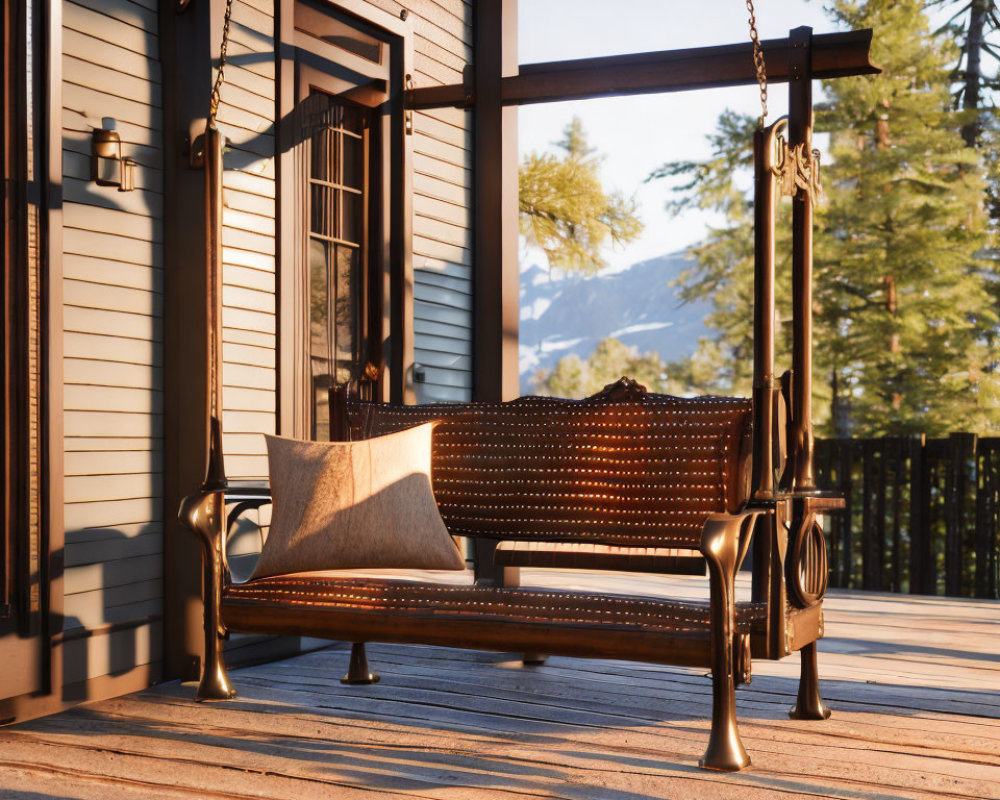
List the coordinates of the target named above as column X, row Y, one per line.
column 913, row 682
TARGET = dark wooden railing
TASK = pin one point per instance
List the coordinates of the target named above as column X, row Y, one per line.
column 922, row 515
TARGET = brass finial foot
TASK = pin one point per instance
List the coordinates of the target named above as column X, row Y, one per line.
column 812, row 709
column 215, row 685
column 809, row 704
column 725, row 751
column 358, row 672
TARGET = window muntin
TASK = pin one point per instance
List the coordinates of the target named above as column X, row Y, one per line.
column 338, row 235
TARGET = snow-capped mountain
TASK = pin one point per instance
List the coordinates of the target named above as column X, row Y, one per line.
column 570, row 313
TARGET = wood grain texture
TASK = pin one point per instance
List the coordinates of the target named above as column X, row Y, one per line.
column 911, row 680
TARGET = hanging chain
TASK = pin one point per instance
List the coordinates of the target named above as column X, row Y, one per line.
column 758, row 62
column 213, row 107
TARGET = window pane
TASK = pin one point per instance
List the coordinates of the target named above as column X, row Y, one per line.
column 319, row 337
column 319, row 306
column 323, row 154
column 352, row 222
column 354, row 162
column 322, row 211
column 353, row 120
column 348, row 301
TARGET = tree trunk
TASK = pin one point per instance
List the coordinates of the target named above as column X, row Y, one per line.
column 973, row 74
column 840, row 417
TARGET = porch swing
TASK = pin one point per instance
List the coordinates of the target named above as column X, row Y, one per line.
column 615, row 474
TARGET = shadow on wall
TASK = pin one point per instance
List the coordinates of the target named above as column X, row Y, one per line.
column 114, row 599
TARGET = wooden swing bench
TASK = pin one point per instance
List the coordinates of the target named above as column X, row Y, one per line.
column 624, row 474
column 624, row 479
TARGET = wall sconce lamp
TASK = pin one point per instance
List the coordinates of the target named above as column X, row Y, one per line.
column 108, row 166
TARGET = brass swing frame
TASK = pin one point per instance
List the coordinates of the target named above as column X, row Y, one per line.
column 784, row 164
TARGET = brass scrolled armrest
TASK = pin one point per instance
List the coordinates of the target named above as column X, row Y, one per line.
column 245, row 497
column 807, row 571
column 725, row 532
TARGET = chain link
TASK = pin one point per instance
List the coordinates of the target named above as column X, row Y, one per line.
column 213, row 107
column 758, row 62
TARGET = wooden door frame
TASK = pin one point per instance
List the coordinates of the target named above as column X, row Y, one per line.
column 396, row 205
column 46, row 194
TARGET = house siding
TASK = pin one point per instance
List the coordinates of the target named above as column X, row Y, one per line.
column 249, row 318
column 112, row 341
column 113, row 275
column 442, row 221
column 442, row 186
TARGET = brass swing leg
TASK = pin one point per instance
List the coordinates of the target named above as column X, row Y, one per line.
column 809, row 704
column 721, row 547
column 202, row 513
column 358, row 672
column 214, row 683
column 725, row 750
column 510, row 578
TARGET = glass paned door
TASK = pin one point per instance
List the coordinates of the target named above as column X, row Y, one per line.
column 338, row 251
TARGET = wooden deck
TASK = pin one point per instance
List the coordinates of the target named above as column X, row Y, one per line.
column 914, row 683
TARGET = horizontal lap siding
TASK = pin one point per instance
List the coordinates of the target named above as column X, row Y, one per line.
column 246, row 118
column 442, row 224
column 113, row 339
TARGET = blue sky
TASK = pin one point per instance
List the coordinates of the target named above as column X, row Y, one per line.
column 636, row 134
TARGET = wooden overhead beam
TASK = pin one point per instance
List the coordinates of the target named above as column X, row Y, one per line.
column 834, row 55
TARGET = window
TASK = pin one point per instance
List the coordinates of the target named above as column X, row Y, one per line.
column 339, row 196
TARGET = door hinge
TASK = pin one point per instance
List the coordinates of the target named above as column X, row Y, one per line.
column 408, row 114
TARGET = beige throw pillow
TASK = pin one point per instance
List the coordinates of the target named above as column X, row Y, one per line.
column 355, row 505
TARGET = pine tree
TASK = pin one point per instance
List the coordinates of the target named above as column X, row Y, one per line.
column 564, row 209
column 902, row 297
column 723, row 268
column 975, row 25
column 612, row 359
column 904, row 321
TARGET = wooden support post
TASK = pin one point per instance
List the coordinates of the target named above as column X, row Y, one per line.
column 881, row 544
column 495, row 304
column 895, row 449
column 986, row 534
column 917, row 521
column 869, row 539
column 188, row 43
column 800, row 135
column 847, row 521
column 494, row 258
column 769, row 547
column 961, row 447
column 765, row 192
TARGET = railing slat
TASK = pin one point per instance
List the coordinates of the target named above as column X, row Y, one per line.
column 928, row 517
